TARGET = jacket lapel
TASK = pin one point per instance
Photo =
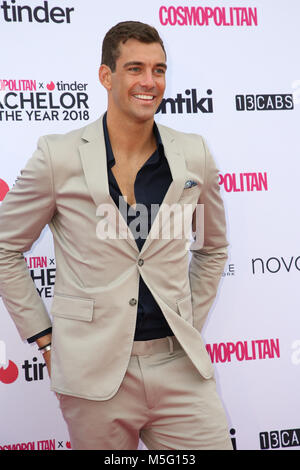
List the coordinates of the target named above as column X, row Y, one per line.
column 93, row 159
column 177, row 166
column 94, row 163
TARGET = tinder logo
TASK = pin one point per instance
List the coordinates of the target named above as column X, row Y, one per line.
column 4, row 188
column 8, row 373
column 50, row 86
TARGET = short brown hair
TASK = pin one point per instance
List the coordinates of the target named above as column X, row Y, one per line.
column 123, row 31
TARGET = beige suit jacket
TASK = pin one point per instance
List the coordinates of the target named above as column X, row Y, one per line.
column 94, row 311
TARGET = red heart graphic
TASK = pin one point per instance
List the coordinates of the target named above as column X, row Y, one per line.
column 50, row 86
column 3, row 189
column 10, row 374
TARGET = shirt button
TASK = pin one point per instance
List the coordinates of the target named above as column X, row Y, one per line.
column 132, row 301
column 140, row 262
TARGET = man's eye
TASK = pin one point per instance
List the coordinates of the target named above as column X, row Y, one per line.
column 160, row 71
column 134, row 69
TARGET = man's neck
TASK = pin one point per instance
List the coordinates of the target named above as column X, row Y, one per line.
column 129, row 138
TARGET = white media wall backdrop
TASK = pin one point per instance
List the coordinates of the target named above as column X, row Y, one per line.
column 234, row 77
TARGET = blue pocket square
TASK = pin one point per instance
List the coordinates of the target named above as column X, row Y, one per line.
column 189, row 184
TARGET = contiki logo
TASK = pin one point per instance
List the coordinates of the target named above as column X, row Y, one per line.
column 190, row 103
column 12, row 12
column 4, row 188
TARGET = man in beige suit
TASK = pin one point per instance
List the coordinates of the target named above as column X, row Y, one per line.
column 123, row 345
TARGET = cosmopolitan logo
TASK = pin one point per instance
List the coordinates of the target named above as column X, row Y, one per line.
column 244, row 350
column 207, row 16
column 31, row 100
column 189, row 102
column 11, row 12
column 18, row 85
column 46, row 444
column 38, row 261
column 240, row 182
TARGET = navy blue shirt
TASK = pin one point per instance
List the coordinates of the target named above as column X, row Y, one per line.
column 151, row 184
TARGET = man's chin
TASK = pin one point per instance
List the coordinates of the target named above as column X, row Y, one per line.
column 143, row 117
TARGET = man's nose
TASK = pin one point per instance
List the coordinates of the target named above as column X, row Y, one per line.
column 147, row 79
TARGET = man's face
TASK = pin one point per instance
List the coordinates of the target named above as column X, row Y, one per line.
column 138, row 83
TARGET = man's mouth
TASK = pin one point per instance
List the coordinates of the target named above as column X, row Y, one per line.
column 140, row 96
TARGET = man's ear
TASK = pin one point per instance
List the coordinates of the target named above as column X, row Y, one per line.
column 105, row 76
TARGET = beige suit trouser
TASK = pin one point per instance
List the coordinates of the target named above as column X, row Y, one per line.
column 163, row 400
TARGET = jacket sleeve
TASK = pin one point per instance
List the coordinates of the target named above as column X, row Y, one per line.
column 209, row 251
column 27, row 208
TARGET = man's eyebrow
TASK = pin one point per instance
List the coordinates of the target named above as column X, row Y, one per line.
column 162, row 64
column 135, row 62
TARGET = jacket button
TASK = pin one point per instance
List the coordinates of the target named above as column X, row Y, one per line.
column 140, row 262
column 132, row 301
